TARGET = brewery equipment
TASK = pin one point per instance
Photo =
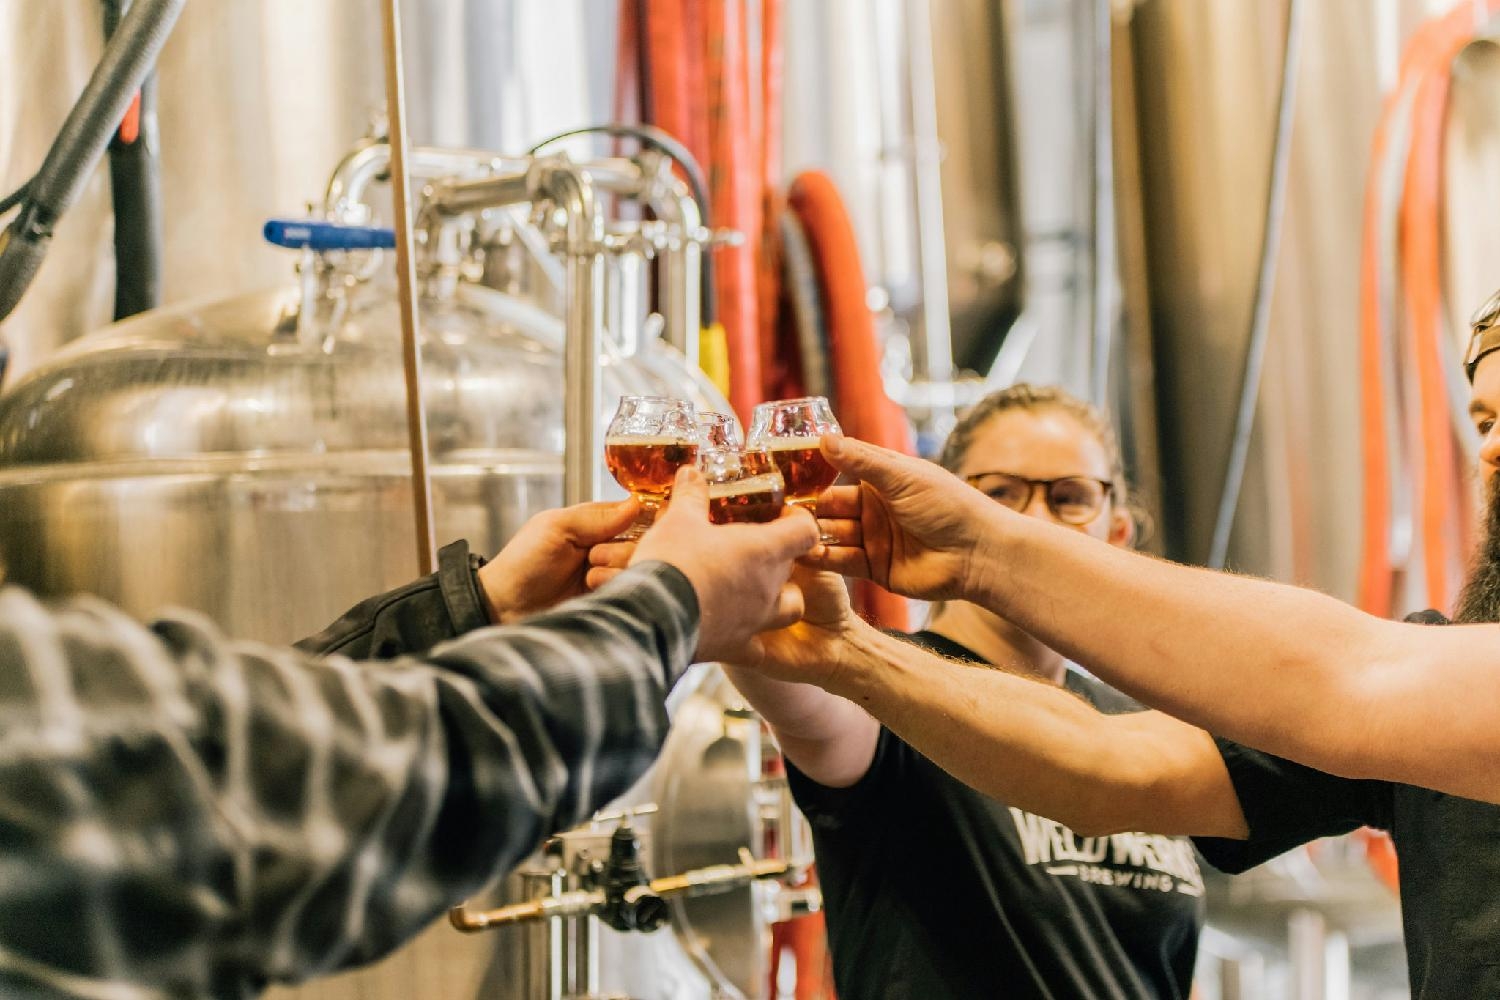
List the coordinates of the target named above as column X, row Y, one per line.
column 247, row 457
column 266, row 433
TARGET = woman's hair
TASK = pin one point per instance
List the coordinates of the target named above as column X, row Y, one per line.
column 1035, row 399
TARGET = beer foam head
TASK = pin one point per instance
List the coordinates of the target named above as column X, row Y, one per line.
column 619, row 440
column 769, row 483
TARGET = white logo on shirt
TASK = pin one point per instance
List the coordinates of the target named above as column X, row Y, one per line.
column 1136, row 860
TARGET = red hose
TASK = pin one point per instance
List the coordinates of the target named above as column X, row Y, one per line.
column 1424, row 79
column 736, row 192
column 865, row 411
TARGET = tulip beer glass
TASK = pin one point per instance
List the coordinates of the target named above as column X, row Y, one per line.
column 789, row 430
column 649, row 439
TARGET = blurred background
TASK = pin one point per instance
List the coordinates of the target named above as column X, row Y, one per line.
column 1205, row 215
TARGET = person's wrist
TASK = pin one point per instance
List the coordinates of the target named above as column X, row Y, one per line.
column 986, row 558
column 857, row 660
column 498, row 603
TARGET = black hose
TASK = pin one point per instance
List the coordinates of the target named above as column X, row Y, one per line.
column 664, row 142
column 135, row 184
column 128, row 57
column 15, row 198
column 1260, row 317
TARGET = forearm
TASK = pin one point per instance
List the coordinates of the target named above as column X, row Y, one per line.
column 307, row 815
column 1039, row 747
column 1273, row 666
column 828, row 738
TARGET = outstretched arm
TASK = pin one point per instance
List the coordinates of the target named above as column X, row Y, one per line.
column 829, row 739
column 1276, row 667
column 272, row 817
column 277, row 817
column 1026, row 742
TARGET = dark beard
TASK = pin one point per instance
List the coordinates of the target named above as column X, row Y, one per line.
column 1480, row 599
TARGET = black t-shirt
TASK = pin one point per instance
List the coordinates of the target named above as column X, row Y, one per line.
column 1449, row 852
column 933, row 890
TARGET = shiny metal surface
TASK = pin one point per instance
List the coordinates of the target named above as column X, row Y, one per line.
column 256, row 100
column 196, row 434
column 705, row 790
column 406, row 286
column 1207, row 84
column 267, row 434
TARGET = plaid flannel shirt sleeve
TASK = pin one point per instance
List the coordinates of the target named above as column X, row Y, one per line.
column 185, row 816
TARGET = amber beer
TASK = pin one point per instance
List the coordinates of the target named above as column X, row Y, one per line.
column 754, row 499
column 806, row 471
column 647, row 467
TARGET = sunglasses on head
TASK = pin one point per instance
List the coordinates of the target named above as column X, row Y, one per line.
column 1071, row 499
column 1485, row 324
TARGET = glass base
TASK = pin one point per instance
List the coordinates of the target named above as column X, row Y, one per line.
column 642, row 523
column 811, row 507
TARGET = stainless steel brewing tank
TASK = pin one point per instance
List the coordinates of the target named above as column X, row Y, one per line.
column 209, row 457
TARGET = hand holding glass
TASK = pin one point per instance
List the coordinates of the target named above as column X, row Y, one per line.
column 743, row 487
column 648, row 440
column 789, row 430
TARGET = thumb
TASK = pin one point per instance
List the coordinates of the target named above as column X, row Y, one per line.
column 590, row 524
column 793, row 534
column 689, row 495
column 882, row 468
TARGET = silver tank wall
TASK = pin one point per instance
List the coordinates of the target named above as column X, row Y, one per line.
column 258, row 100
column 1207, row 78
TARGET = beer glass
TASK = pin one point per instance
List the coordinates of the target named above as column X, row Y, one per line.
column 720, row 432
column 743, row 487
column 789, row 430
column 649, row 439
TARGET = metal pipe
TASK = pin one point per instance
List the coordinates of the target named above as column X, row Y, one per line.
column 1260, row 318
column 934, row 359
column 1102, row 301
column 697, row 882
column 366, row 164
column 682, row 263
column 474, row 194
column 406, row 280
column 574, row 192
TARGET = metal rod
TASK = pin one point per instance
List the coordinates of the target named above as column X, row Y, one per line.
column 934, row 355
column 572, row 190
column 1265, row 283
column 697, row 882
column 1102, row 301
column 406, row 281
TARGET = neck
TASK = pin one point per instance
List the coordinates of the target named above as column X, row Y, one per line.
column 998, row 641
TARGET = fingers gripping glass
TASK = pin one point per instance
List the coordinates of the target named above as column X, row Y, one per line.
column 1071, row 499
column 789, row 430
column 649, row 439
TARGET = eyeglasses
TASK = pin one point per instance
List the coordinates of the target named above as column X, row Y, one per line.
column 1071, row 499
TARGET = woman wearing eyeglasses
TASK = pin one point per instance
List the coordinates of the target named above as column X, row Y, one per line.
column 933, row 890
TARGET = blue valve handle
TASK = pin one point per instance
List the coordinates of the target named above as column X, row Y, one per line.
column 311, row 234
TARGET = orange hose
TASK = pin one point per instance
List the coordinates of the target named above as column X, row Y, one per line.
column 1425, row 71
column 736, row 192
column 865, row 411
column 775, row 369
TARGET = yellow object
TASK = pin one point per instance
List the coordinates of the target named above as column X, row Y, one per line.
column 713, row 355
